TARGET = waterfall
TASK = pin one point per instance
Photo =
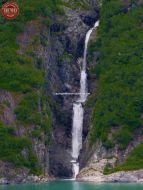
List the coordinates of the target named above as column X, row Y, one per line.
column 78, row 110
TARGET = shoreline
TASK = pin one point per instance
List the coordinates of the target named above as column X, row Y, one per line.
column 117, row 177
column 26, row 180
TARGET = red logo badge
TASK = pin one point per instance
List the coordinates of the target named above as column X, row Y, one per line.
column 10, row 10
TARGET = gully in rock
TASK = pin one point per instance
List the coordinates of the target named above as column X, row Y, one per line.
column 78, row 110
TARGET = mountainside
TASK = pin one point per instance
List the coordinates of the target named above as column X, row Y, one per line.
column 25, row 112
column 40, row 55
column 116, row 123
column 39, row 52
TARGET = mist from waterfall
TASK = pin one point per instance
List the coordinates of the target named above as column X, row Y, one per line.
column 78, row 110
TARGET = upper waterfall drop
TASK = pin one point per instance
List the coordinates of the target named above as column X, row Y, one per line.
column 78, row 110
column 86, row 44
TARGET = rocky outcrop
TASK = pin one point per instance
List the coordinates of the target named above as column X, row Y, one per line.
column 9, row 173
column 8, row 103
column 130, row 176
column 94, row 160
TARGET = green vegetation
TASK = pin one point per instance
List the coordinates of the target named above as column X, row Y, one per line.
column 12, row 148
column 119, row 100
column 17, row 77
column 26, row 109
column 18, row 73
column 82, row 4
column 22, row 73
column 65, row 56
column 133, row 162
column 74, row 4
column 33, row 109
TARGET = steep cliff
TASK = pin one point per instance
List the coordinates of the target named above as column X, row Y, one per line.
column 67, row 43
column 25, row 128
column 40, row 55
column 40, row 52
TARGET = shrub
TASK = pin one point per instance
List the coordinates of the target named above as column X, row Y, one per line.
column 133, row 162
column 11, row 147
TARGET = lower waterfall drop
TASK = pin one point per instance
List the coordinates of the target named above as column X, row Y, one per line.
column 78, row 110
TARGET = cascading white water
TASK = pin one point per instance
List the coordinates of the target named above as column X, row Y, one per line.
column 78, row 110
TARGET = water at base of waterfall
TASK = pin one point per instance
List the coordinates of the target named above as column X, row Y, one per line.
column 78, row 110
column 72, row 185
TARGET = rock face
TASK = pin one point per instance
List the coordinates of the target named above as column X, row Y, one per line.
column 130, row 176
column 10, row 174
column 95, row 159
column 8, row 103
column 61, row 52
column 63, row 75
column 60, row 49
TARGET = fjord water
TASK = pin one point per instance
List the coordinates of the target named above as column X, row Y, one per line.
column 78, row 110
column 72, row 185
